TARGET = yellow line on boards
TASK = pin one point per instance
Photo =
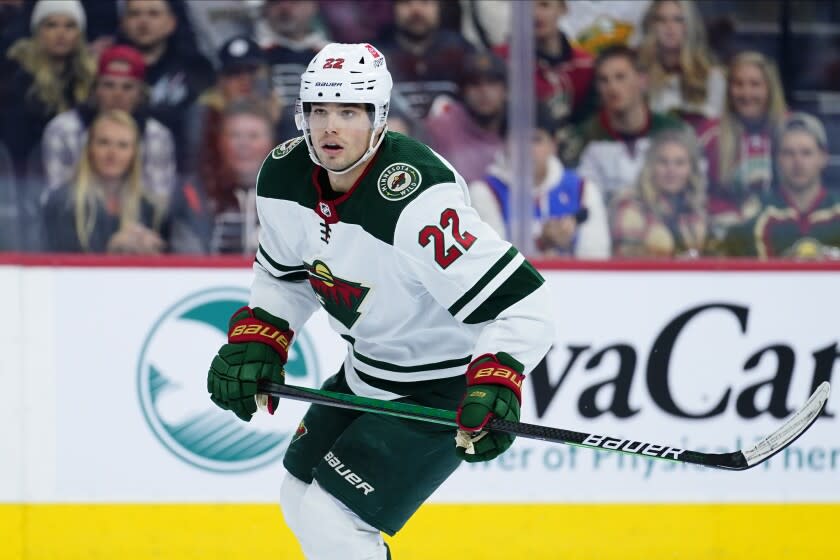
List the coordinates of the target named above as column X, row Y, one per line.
column 437, row 531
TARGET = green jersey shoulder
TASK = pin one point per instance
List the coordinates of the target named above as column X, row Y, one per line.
column 284, row 171
column 401, row 169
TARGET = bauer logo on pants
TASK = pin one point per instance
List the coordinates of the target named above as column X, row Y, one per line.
column 172, row 378
column 347, row 474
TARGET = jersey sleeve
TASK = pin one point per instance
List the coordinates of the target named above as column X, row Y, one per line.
column 481, row 279
column 280, row 284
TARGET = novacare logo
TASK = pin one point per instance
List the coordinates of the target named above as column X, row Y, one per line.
column 172, row 387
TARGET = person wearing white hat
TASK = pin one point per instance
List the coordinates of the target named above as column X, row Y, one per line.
column 53, row 72
column 46, row 8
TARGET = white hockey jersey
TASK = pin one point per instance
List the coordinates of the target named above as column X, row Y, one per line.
column 410, row 276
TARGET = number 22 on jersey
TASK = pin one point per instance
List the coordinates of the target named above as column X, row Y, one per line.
column 444, row 255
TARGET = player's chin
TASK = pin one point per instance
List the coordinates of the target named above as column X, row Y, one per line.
column 334, row 165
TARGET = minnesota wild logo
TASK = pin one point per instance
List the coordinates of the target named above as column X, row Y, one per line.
column 286, row 147
column 339, row 297
column 300, row 432
column 398, row 181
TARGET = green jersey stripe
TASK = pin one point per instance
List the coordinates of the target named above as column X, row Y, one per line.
column 294, row 277
column 276, row 265
column 522, row 283
column 405, row 369
column 483, row 281
column 299, row 276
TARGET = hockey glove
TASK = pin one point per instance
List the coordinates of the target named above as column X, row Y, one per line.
column 494, row 388
column 257, row 349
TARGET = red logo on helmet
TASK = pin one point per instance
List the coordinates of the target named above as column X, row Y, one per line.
column 372, row 51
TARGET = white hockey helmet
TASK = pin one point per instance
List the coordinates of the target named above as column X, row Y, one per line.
column 346, row 73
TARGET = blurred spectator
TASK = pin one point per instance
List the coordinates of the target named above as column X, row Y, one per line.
column 598, row 24
column 470, row 133
column 361, row 21
column 563, row 75
column 664, row 213
column 739, row 147
column 676, row 57
column 119, row 85
column 569, row 214
column 104, row 24
column 400, row 119
column 218, row 21
column 15, row 16
column 243, row 73
column 486, row 23
column 52, row 72
column 175, row 71
column 188, row 220
column 424, row 59
column 616, row 140
column 802, row 218
column 105, row 207
column 9, row 209
column 290, row 38
column 230, row 188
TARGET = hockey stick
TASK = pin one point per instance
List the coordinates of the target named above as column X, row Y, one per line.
column 741, row 460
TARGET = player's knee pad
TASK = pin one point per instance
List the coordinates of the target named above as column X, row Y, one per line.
column 327, row 529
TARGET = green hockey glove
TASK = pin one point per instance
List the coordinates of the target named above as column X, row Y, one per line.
column 257, row 349
column 494, row 388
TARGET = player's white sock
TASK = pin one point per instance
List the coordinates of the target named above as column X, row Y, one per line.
column 291, row 495
column 325, row 528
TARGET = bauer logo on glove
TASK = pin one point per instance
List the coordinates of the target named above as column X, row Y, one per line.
column 257, row 350
column 494, row 389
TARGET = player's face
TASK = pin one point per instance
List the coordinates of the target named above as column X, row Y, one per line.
column 671, row 168
column 619, row 84
column 58, row 35
column 669, row 26
column 801, row 160
column 749, row 91
column 112, row 147
column 118, row 92
column 340, row 133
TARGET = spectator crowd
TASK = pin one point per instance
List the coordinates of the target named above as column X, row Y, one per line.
column 139, row 126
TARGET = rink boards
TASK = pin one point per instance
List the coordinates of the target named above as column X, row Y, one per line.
column 111, row 449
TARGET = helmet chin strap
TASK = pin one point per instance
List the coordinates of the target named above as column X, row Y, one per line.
column 366, row 156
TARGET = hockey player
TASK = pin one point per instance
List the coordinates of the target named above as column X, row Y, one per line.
column 435, row 307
